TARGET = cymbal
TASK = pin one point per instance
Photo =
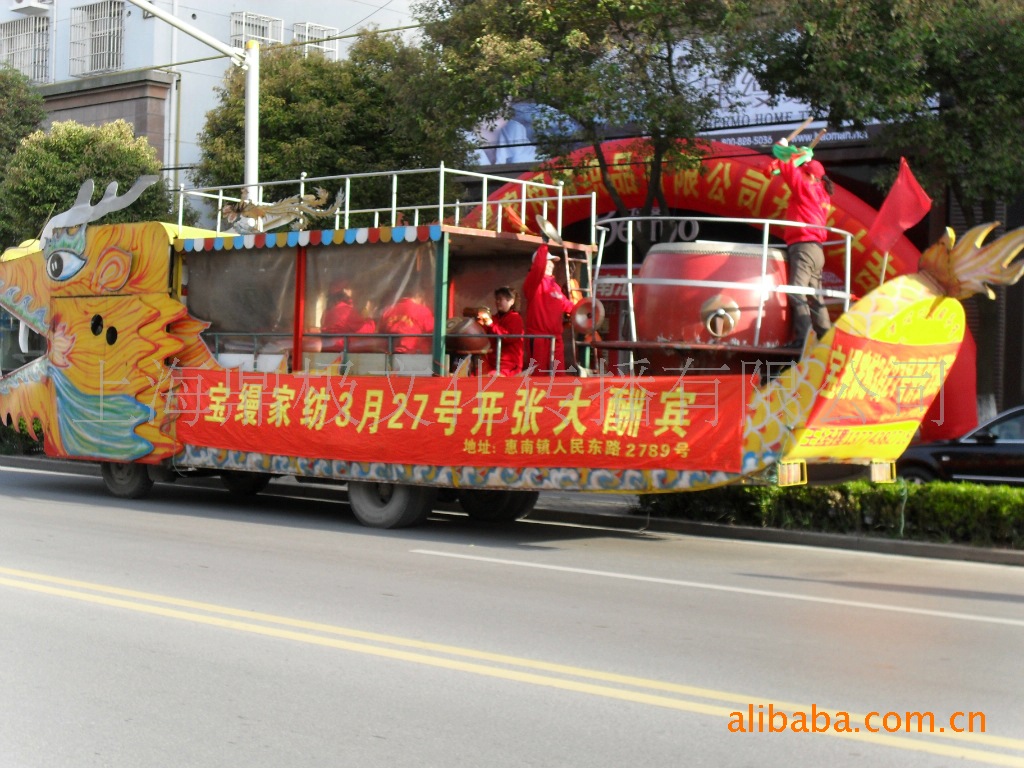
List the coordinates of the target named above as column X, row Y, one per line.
column 549, row 230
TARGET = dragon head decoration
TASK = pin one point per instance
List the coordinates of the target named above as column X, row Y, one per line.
column 100, row 295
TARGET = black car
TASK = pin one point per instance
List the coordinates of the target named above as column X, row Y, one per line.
column 991, row 453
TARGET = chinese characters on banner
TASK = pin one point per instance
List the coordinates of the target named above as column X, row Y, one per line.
column 873, row 398
column 689, row 422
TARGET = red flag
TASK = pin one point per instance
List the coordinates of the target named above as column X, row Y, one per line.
column 904, row 206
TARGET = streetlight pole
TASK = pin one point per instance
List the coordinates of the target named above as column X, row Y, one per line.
column 247, row 59
column 251, row 174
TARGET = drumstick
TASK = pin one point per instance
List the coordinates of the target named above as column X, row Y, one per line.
column 816, row 139
column 796, row 131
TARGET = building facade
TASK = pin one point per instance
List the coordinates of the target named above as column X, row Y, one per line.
column 96, row 62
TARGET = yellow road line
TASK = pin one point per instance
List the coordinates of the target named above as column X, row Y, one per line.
column 117, row 597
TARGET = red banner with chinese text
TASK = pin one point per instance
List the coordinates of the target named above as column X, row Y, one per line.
column 873, row 398
column 684, row 423
column 874, row 382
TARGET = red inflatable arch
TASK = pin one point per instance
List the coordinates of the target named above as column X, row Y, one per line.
column 734, row 185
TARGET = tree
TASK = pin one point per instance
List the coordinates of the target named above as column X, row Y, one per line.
column 22, row 108
column 47, row 170
column 945, row 78
column 385, row 107
column 605, row 66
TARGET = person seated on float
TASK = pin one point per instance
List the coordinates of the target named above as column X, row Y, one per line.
column 342, row 318
column 508, row 324
column 408, row 322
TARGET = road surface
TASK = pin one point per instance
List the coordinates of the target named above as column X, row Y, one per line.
column 196, row 628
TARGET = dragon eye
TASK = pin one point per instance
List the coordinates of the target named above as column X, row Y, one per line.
column 63, row 265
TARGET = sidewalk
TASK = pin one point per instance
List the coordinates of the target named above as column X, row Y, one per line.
column 619, row 512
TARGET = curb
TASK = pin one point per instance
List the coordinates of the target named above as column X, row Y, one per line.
column 606, row 512
column 46, row 464
column 878, row 545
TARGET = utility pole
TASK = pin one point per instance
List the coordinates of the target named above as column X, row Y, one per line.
column 249, row 61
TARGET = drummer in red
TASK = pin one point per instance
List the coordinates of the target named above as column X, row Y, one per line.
column 546, row 306
column 810, row 200
column 341, row 317
column 408, row 321
column 508, row 324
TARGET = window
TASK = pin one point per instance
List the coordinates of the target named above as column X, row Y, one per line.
column 251, row 26
column 1009, row 429
column 25, row 46
column 11, row 356
column 97, row 38
column 306, row 31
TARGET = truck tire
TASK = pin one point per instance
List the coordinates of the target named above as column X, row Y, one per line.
column 917, row 475
column 160, row 473
column 492, row 506
column 388, row 505
column 126, row 481
column 244, row 483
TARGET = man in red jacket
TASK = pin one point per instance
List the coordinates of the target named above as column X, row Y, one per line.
column 407, row 321
column 810, row 192
column 508, row 324
column 341, row 317
column 546, row 306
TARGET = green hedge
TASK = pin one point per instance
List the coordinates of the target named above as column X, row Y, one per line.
column 20, row 441
column 959, row 513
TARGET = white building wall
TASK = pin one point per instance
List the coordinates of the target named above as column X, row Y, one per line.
column 151, row 43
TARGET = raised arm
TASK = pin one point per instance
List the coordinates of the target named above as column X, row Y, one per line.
column 536, row 273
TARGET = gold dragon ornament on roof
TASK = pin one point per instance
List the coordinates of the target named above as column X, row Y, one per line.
column 247, row 217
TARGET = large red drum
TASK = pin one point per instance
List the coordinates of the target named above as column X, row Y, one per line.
column 712, row 314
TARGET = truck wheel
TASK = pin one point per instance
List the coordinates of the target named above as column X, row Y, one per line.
column 387, row 505
column 917, row 475
column 159, row 473
column 244, row 483
column 488, row 506
column 126, row 481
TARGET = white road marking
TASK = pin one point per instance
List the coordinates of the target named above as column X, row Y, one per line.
column 735, row 590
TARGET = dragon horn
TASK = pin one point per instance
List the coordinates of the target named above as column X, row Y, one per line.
column 82, row 212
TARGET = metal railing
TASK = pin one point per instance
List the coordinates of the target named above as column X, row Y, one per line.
column 256, row 344
column 499, row 340
column 828, row 295
column 396, row 211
